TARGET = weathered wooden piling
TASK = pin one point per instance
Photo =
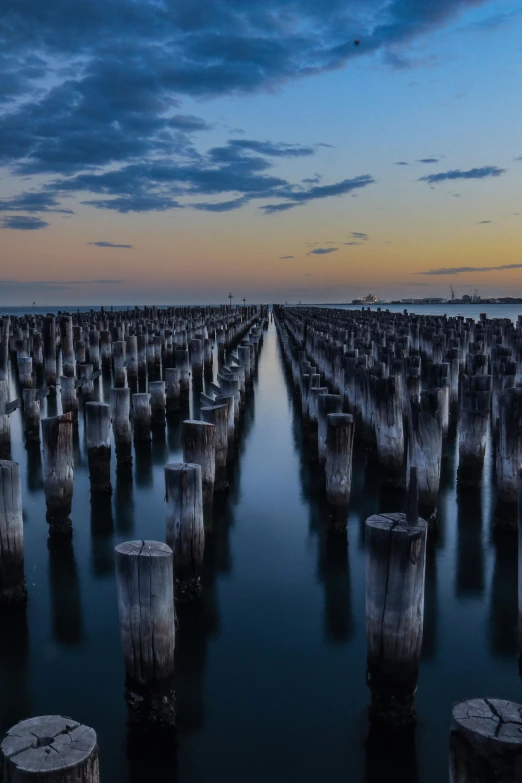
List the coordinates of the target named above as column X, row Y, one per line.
column 69, row 396
column 145, row 579
column 121, row 427
column 49, row 749
column 388, row 419
column 98, row 432
column 157, row 402
column 338, row 469
column 475, row 404
column 228, row 400
column 173, row 388
column 395, row 575
column 94, row 349
column 218, row 416
column 182, row 360
column 185, row 528
column 508, row 457
column 119, row 359
column 86, row 382
column 425, row 447
column 49, row 341
column 5, row 426
column 12, row 585
column 199, row 446
column 326, row 404
column 31, row 409
column 25, row 372
column 142, row 417
column 57, row 438
column 105, row 349
column 485, row 741
column 131, row 351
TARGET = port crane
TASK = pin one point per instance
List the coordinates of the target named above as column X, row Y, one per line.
column 452, row 293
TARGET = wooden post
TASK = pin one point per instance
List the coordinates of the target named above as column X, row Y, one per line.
column 157, row 401
column 131, row 349
column 12, row 586
column 185, row 529
column 142, row 416
column 31, row 415
column 315, row 391
column 5, row 426
column 120, row 413
column 94, row 349
column 98, row 431
column 388, row 419
column 69, row 396
column 228, row 400
column 58, row 472
column 509, row 456
column 87, row 383
column 145, row 579
column 326, row 403
column 25, row 372
column 199, row 446
column 68, row 365
column 49, row 340
column 486, row 741
column 105, row 348
column 172, row 381
column 395, row 575
column 119, row 357
column 475, row 404
column 425, row 447
column 339, row 445
column 49, row 749
column 218, row 416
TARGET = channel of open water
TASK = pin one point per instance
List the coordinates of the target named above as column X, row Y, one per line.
column 271, row 661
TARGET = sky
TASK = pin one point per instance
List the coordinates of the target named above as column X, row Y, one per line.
column 168, row 151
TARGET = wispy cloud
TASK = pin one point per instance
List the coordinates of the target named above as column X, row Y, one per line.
column 483, row 222
column 108, row 244
column 57, row 283
column 360, row 235
column 401, row 163
column 282, row 258
column 428, row 160
column 477, row 173
column 321, row 251
column 22, row 223
column 320, row 191
column 460, row 270
column 353, row 243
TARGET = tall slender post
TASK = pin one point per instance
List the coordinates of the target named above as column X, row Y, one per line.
column 185, row 529
column 121, row 427
column 69, row 396
column 157, row 401
column 49, row 340
column 58, row 472
column 31, row 415
column 199, row 446
column 339, row 445
column 145, row 579
column 98, row 429
column 142, row 417
column 218, row 416
column 12, row 585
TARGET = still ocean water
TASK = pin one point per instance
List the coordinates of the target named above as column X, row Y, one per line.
column 271, row 662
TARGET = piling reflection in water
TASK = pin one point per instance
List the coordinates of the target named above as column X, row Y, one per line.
column 15, row 701
column 102, row 535
column 470, row 547
column 66, row 605
column 503, row 611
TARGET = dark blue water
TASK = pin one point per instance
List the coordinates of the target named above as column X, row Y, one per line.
column 271, row 662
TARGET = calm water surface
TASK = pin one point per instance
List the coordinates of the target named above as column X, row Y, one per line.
column 271, row 662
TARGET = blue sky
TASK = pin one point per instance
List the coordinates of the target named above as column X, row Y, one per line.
column 181, row 150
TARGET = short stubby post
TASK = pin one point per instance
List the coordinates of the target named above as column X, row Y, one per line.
column 142, row 416
column 145, row 581
column 486, row 741
column 98, row 429
column 395, row 575
column 199, row 446
column 50, row 748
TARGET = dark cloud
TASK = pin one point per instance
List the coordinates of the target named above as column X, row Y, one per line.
column 319, row 191
column 352, row 243
column 428, row 160
column 33, row 202
column 282, row 258
column 483, row 222
column 458, row 270
column 321, row 251
column 312, row 180
column 360, row 235
column 401, row 163
column 273, row 209
column 108, row 244
column 478, row 173
column 107, row 79
column 22, row 223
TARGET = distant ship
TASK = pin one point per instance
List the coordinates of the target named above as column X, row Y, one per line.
column 369, row 299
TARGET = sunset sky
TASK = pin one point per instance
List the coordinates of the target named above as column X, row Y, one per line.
column 171, row 151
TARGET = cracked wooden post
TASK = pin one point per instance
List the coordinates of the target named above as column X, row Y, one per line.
column 145, row 580
column 119, row 357
column 508, row 457
column 25, row 372
column 121, row 427
column 395, row 575
column 69, row 396
column 157, row 402
column 98, row 432
column 12, row 585
column 339, row 445
column 57, row 437
column 5, row 425
column 31, row 409
column 87, row 383
column 185, row 528
column 181, row 357
column 131, row 350
column 485, row 741
column 199, row 446
column 173, row 386
column 425, row 447
column 228, row 400
column 389, row 432
column 326, row 403
column 142, row 416
column 49, row 748
column 94, row 349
